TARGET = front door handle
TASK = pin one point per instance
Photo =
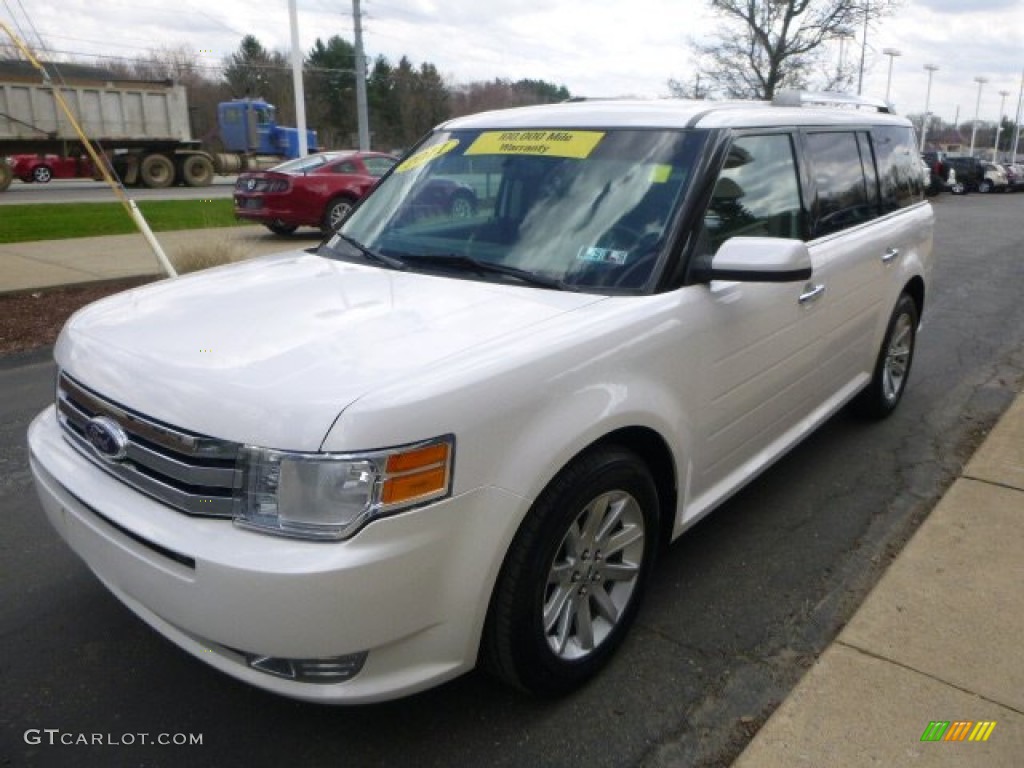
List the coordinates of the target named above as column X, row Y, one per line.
column 890, row 254
column 812, row 293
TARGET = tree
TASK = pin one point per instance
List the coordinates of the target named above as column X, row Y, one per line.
column 763, row 46
column 254, row 72
column 331, row 86
column 480, row 96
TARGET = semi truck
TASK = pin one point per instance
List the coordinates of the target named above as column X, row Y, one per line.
column 141, row 126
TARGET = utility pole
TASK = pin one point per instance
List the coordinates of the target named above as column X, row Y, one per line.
column 361, row 110
column 300, row 94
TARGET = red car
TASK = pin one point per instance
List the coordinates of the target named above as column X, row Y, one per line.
column 314, row 191
column 41, row 168
column 320, row 189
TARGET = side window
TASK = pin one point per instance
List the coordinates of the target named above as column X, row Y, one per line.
column 842, row 189
column 378, row 166
column 346, row 167
column 757, row 194
column 899, row 166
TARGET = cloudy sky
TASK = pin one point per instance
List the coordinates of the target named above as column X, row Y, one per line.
column 593, row 47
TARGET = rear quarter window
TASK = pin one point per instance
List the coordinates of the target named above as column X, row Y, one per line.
column 899, row 170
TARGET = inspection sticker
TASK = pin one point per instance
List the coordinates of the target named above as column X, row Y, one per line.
column 426, row 155
column 602, row 255
column 574, row 144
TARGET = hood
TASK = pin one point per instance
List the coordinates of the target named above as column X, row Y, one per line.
column 270, row 351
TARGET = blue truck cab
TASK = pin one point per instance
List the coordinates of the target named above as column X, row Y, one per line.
column 249, row 126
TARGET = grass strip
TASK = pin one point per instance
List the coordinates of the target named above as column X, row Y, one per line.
column 58, row 221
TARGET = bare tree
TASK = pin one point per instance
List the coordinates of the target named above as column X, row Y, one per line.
column 763, row 46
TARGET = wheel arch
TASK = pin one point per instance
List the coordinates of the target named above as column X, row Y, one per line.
column 654, row 451
column 916, row 290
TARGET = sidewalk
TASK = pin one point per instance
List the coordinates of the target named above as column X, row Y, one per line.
column 49, row 263
column 938, row 639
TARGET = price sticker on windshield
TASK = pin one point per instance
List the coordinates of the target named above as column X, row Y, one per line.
column 426, row 155
column 574, row 144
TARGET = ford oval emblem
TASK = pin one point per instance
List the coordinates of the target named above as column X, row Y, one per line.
column 250, row 184
column 106, row 438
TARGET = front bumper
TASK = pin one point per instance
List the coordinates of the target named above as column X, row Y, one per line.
column 411, row 590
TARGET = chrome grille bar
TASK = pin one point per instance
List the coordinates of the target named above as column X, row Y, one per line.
column 193, row 473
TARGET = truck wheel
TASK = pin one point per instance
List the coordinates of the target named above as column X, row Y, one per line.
column 41, row 174
column 572, row 581
column 197, row 171
column 6, row 175
column 336, row 212
column 157, row 171
column 985, row 186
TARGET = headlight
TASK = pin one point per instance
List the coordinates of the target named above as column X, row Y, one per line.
column 331, row 496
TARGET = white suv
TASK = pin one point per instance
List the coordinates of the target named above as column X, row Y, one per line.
column 437, row 442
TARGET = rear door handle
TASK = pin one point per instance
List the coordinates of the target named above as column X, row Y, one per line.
column 890, row 254
column 812, row 294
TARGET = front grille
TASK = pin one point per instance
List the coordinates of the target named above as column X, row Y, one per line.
column 193, row 473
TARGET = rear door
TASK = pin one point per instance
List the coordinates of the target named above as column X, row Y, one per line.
column 864, row 182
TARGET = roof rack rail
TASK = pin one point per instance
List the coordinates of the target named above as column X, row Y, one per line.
column 794, row 98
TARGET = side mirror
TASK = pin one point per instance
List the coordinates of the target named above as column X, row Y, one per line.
column 758, row 260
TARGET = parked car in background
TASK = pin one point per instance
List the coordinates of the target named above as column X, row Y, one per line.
column 313, row 191
column 995, row 179
column 1014, row 177
column 320, row 189
column 41, row 168
column 968, row 174
column 938, row 172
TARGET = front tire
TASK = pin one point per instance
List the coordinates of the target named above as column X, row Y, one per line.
column 41, row 174
column 280, row 228
column 575, row 574
column 156, row 171
column 197, row 171
column 892, row 369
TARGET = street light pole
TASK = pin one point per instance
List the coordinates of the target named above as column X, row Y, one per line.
column 927, row 100
column 863, row 48
column 977, row 108
column 1016, row 122
column 999, row 126
column 892, row 53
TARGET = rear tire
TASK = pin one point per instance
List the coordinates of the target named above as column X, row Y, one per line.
column 41, row 174
column 985, row 186
column 335, row 213
column 156, row 171
column 280, row 228
column 575, row 574
column 892, row 368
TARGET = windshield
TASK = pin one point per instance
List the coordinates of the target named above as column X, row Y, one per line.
column 575, row 209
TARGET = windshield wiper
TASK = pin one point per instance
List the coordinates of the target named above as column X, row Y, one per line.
column 469, row 264
column 371, row 255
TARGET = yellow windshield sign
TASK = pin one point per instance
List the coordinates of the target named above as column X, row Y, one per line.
column 426, row 155
column 575, row 144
